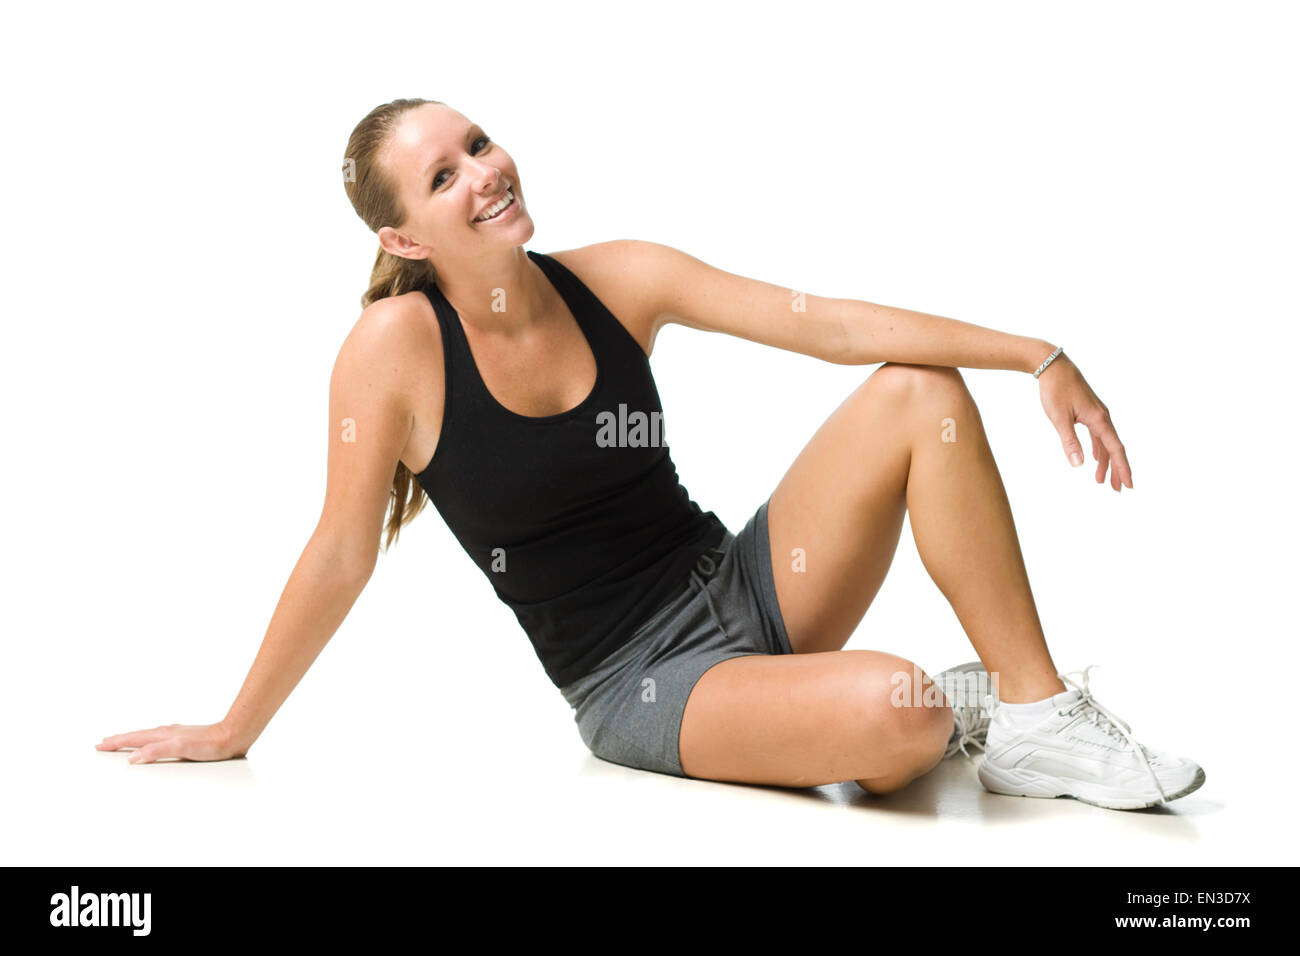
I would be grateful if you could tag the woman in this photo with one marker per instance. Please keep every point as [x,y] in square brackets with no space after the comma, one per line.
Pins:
[514,389]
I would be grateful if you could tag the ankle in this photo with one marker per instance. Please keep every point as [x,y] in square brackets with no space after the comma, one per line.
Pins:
[1029,692]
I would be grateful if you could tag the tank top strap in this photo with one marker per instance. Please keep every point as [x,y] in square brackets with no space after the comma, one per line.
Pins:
[610,340]
[457,359]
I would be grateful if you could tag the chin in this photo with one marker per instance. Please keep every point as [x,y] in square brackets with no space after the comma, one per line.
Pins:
[522,232]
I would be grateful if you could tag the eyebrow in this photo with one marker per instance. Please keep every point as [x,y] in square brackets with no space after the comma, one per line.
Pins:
[442,159]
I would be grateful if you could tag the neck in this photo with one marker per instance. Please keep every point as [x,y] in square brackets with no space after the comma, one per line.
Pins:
[502,293]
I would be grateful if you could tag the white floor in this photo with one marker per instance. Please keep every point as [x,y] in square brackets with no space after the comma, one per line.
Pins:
[297,803]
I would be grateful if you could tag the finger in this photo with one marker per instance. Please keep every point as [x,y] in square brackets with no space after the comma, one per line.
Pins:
[136,738]
[1070,442]
[168,747]
[1105,464]
[1120,473]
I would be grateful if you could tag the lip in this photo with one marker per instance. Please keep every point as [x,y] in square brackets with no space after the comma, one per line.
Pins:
[489,205]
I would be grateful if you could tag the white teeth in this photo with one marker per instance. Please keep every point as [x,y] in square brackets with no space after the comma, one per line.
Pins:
[496,207]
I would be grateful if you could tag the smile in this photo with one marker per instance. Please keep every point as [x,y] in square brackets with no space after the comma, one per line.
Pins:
[497,208]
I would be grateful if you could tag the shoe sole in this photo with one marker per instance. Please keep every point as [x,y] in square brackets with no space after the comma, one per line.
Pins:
[1027,783]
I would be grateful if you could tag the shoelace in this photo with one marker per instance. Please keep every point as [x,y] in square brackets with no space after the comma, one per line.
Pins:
[1106,721]
[966,720]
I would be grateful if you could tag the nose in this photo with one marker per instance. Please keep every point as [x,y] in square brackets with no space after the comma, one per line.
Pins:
[490,180]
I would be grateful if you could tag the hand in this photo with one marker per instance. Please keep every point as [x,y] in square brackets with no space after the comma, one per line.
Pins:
[189,742]
[1067,399]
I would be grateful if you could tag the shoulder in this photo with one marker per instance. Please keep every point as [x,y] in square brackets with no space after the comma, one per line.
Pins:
[391,340]
[627,276]
[394,324]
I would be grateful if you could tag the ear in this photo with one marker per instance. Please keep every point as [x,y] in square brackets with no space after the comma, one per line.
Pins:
[400,245]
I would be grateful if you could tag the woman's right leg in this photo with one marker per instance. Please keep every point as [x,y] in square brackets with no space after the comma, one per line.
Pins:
[803,720]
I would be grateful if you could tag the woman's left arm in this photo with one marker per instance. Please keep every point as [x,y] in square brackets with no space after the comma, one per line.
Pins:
[689,292]
[918,338]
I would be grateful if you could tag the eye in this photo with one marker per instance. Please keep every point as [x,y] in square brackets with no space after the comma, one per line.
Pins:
[438,180]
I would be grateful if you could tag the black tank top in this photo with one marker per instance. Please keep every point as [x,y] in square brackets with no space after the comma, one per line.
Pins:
[577,519]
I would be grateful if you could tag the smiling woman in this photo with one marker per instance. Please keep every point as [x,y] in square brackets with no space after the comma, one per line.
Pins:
[518,383]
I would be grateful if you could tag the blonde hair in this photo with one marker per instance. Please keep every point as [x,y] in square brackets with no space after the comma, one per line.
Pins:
[373,195]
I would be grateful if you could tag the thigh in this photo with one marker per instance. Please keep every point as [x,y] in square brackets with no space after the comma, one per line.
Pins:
[629,707]
[804,720]
[835,518]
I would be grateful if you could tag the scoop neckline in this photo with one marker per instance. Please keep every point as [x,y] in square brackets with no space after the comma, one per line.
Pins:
[582,327]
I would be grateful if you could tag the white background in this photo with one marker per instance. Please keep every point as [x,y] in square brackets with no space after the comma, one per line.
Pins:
[181,264]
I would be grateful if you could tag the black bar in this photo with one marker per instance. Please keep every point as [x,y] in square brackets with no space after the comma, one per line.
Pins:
[328,904]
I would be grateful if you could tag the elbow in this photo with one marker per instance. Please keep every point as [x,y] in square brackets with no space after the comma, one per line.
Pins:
[347,559]
[847,351]
[848,342]
[863,334]
[357,563]
[358,571]
[857,350]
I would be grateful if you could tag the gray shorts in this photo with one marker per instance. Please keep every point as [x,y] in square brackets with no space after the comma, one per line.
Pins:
[629,709]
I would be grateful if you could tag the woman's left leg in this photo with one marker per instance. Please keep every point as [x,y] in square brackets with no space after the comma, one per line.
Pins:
[833,524]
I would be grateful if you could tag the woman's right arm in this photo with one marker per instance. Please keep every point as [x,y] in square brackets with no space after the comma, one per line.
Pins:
[370,419]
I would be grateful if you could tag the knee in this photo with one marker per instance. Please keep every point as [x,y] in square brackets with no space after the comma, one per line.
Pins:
[912,382]
[912,720]
[923,717]
[897,780]
[913,754]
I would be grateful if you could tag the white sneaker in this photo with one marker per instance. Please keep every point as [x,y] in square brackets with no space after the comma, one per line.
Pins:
[966,686]
[1081,750]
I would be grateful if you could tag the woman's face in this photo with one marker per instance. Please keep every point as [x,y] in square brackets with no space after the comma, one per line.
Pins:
[449,173]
